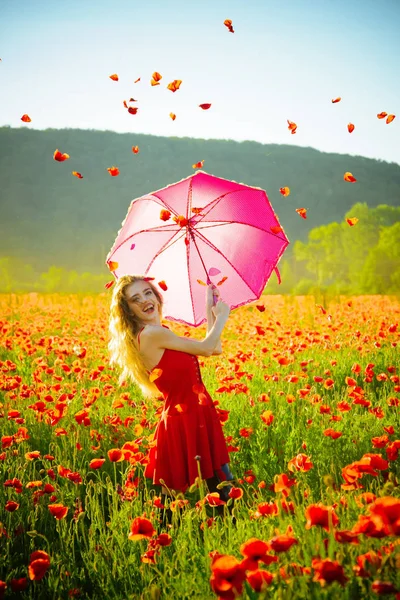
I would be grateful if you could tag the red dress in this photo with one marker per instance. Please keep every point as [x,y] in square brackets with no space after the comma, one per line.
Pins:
[187,427]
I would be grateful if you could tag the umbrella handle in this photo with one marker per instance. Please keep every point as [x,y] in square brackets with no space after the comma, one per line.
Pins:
[215,299]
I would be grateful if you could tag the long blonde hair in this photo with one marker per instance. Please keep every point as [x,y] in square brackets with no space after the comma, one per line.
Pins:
[123,329]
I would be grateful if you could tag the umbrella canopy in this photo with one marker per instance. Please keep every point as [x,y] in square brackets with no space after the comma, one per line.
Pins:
[199,230]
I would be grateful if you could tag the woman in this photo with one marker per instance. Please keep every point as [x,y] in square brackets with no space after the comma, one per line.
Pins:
[189,431]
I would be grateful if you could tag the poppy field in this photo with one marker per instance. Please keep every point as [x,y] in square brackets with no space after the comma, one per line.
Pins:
[309,398]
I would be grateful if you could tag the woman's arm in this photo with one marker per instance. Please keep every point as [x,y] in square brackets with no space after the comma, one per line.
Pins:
[160,337]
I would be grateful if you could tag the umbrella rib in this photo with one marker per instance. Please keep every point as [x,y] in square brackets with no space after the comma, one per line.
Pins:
[211,245]
[158,198]
[240,223]
[161,228]
[163,249]
[215,201]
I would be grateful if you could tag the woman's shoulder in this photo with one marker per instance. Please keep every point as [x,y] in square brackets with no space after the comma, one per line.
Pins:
[150,331]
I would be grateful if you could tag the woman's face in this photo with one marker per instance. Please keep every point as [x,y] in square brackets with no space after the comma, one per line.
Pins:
[142,301]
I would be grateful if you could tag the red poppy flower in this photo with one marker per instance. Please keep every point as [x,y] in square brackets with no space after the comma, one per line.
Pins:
[383,587]
[259,580]
[266,509]
[255,550]
[39,564]
[214,499]
[227,577]
[141,528]
[318,514]
[282,543]
[283,483]
[18,585]
[96,463]
[164,539]
[369,527]
[366,562]
[327,571]
[115,455]
[386,511]
[267,417]
[346,537]
[59,511]
[301,462]
[235,493]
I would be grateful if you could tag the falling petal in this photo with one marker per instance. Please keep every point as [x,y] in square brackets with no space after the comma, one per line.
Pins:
[214,271]
[196,211]
[138,79]
[352,221]
[285,191]
[133,110]
[276,229]
[174,85]
[198,165]
[180,220]
[125,104]
[336,100]
[228,24]
[109,284]
[350,127]
[165,214]
[349,177]
[26,118]
[163,285]
[112,265]
[114,171]
[382,115]
[133,246]
[76,174]
[135,149]
[291,126]
[155,374]
[205,106]
[222,281]
[390,118]
[114,77]
[155,78]
[173,116]
[302,212]
[60,157]
[201,282]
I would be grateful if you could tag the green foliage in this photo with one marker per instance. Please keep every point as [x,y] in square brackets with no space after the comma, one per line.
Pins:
[16,276]
[341,259]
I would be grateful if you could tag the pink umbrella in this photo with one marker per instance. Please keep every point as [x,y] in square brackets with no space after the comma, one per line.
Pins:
[199,230]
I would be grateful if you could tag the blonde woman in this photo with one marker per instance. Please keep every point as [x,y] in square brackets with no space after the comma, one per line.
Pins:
[189,429]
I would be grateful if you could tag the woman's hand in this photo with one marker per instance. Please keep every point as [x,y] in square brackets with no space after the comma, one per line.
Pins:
[221,309]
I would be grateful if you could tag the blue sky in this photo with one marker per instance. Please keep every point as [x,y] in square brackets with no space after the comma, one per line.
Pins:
[286,60]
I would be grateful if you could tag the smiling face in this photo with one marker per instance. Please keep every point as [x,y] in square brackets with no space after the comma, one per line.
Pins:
[143,302]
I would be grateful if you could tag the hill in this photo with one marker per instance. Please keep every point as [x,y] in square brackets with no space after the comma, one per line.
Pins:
[49,217]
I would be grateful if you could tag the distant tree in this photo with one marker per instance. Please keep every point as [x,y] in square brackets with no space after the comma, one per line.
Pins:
[381,270]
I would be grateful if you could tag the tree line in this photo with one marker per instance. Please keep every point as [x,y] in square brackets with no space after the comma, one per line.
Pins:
[336,258]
